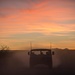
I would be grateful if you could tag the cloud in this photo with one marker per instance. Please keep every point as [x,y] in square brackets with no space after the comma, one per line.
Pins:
[52,19]
[17,41]
[26,4]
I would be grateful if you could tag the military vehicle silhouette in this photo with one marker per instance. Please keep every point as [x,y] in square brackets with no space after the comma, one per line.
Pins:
[41,57]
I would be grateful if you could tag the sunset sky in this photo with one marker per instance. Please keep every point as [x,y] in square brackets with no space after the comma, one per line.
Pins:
[39,22]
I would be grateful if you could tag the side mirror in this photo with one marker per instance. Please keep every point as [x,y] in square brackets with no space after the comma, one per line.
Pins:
[52,52]
[28,53]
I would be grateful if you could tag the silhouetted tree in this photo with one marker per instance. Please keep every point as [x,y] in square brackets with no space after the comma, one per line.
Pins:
[4,51]
[4,47]
[66,49]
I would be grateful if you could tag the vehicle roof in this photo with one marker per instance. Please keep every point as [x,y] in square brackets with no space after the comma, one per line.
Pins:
[40,49]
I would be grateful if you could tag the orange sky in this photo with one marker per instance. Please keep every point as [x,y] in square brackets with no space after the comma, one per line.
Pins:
[39,21]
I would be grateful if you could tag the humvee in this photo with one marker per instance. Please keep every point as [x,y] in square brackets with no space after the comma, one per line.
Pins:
[40,57]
